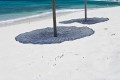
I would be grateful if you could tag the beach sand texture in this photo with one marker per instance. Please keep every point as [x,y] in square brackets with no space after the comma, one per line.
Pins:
[95,57]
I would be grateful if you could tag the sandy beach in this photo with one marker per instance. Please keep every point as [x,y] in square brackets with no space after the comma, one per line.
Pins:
[95,57]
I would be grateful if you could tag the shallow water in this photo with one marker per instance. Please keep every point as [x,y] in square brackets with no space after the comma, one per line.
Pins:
[12,9]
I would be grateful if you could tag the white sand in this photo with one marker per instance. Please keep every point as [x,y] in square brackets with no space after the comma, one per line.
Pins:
[96,57]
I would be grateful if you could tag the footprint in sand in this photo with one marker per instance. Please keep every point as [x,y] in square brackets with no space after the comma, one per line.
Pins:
[105,28]
[59,57]
[113,34]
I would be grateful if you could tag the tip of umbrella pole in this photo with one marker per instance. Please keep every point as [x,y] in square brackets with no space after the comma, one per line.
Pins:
[55,35]
[85,20]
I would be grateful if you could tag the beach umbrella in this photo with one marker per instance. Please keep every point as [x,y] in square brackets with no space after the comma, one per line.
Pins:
[54,17]
[85,8]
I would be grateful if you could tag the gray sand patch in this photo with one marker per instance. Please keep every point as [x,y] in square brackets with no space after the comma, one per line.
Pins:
[45,36]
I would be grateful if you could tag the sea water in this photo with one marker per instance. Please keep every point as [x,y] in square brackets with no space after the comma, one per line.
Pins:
[21,9]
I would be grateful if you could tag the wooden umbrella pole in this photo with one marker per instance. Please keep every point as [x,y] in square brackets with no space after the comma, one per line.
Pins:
[54,17]
[85,4]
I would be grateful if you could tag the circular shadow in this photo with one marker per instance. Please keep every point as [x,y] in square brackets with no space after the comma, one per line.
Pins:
[45,36]
[93,20]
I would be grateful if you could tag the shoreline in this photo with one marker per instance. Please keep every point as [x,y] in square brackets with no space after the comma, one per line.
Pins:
[42,16]
[37,17]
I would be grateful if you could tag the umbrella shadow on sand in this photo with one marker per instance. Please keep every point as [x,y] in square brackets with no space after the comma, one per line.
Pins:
[45,36]
[93,20]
